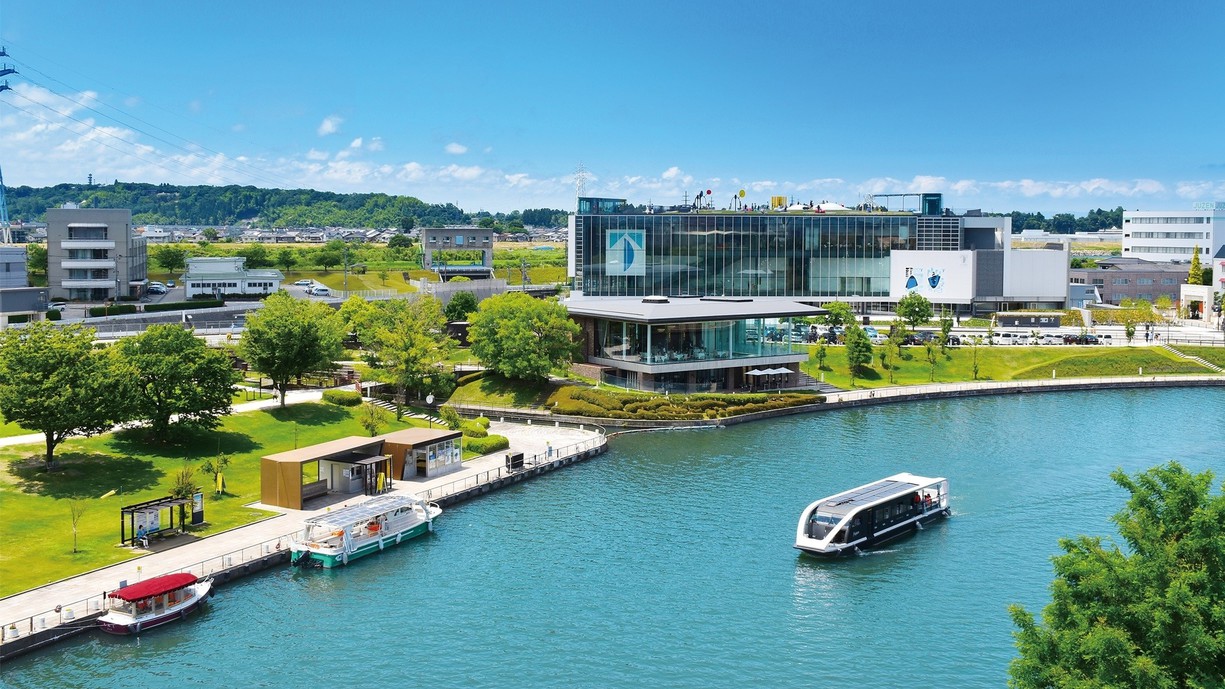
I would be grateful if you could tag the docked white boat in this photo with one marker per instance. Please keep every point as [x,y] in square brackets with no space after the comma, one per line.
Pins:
[153,602]
[333,539]
[871,514]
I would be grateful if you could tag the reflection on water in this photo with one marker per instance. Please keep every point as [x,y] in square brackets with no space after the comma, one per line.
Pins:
[669,562]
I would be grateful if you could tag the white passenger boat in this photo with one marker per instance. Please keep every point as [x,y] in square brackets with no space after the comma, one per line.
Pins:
[333,539]
[153,602]
[871,514]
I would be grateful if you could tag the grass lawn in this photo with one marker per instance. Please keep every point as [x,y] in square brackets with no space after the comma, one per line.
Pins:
[1006,363]
[493,390]
[9,429]
[36,525]
[1215,355]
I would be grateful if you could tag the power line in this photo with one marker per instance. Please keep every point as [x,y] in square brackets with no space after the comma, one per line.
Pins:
[184,166]
[247,170]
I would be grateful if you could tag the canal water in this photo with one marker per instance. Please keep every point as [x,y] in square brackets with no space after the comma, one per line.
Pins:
[668,562]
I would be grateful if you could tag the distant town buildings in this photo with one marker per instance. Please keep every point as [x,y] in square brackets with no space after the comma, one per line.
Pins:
[94,255]
[1131,278]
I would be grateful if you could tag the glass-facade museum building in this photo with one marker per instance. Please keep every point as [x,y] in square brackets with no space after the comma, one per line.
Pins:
[736,279]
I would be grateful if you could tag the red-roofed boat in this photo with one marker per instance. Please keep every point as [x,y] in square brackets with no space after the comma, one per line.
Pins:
[153,602]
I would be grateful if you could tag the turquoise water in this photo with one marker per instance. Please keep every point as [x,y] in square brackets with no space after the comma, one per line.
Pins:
[668,563]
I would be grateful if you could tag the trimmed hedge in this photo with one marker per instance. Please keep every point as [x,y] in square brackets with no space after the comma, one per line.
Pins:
[483,421]
[54,314]
[115,310]
[344,398]
[576,401]
[184,305]
[490,443]
[472,429]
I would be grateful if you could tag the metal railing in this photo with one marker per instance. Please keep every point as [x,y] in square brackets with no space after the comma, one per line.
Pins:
[68,613]
[476,480]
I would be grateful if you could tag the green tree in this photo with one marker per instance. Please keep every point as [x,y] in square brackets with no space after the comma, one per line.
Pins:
[1130,331]
[1195,276]
[54,382]
[412,343]
[974,343]
[256,255]
[36,258]
[286,258]
[840,313]
[858,351]
[216,467]
[326,258]
[210,234]
[171,258]
[946,330]
[289,338]
[1150,614]
[933,356]
[400,241]
[176,376]
[522,337]
[383,275]
[361,317]
[461,305]
[407,223]
[820,354]
[486,222]
[450,417]
[893,348]
[1163,302]
[915,309]
[373,418]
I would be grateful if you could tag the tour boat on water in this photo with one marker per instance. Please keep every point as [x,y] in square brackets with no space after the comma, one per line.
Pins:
[333,539]
[153,602]
[871,514]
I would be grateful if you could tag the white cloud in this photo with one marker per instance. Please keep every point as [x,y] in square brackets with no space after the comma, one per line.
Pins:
[460,172]
[671,173]
[411,172]
[329,125]
[356,143]
[314,154]
[456,149]
[376,144]
[1201,191]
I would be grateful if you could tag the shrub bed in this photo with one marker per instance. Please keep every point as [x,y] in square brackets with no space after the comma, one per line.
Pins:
[490,443]
[576,401]
[181,305]
[344,398]
[472,429]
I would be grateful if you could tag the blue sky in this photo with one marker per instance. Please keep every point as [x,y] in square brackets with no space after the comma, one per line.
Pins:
[1038,106]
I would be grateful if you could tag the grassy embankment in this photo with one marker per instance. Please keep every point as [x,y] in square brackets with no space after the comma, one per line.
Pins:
[36,525]
[1006,363]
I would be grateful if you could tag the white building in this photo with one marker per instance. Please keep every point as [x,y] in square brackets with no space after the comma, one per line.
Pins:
[1166,236]
[217,277]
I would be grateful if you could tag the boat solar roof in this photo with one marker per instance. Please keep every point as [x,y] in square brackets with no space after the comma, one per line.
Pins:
[370,509]
[881,490]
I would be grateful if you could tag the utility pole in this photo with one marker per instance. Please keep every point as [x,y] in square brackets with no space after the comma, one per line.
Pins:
[346,262]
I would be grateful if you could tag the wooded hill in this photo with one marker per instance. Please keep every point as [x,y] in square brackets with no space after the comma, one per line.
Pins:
[168,204]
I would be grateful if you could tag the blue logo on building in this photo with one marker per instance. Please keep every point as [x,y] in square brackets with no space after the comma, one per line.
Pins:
[626,251]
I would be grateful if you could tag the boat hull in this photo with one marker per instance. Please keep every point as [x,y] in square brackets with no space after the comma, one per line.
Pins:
[124,625]
[877,540]
[330,560]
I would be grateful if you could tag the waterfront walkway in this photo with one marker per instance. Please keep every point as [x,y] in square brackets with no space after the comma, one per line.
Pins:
[84,592]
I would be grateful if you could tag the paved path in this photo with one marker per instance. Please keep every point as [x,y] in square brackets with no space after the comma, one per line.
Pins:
[249,541]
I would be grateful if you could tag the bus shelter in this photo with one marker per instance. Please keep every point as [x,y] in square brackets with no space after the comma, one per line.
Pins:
[149,515]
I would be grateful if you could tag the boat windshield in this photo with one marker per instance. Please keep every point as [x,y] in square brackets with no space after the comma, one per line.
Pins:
[829,519]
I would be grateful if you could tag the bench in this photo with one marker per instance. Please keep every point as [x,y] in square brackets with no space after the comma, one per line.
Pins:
[314,490]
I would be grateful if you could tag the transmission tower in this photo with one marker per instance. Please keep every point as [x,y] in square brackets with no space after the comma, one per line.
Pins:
[6,232]
[580,180]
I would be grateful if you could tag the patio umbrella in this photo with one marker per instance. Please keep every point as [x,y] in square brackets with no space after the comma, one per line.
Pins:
[755,372]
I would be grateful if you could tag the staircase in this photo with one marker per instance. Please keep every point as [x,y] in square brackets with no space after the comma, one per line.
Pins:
[1206,364]
[408,413]
[808,382]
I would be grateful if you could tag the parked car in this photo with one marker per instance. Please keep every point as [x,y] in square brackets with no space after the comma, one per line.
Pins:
[170,283]
[58,306]
[829,337]
[155,283]
[321,291]
[878,339]
[304,283]
[954,340]
[871,331]
[156,289]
